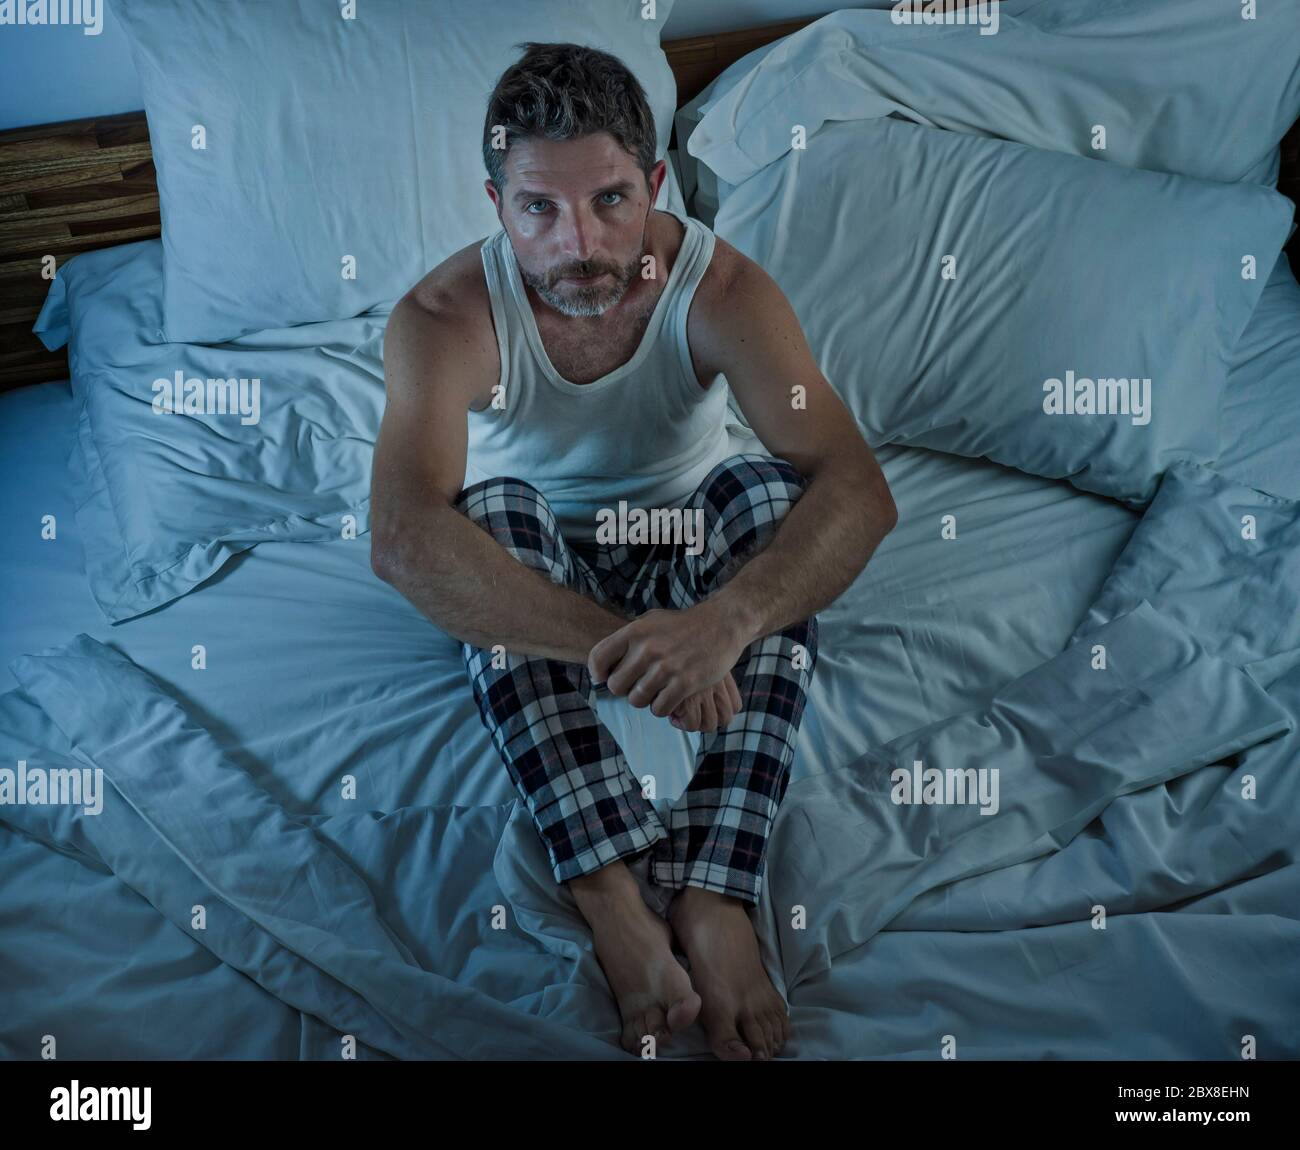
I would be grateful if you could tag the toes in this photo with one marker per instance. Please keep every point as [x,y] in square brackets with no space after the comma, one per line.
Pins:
[780,1030]
[727,1043]
[630,1038]
[627,1039]
[659,1024]
[755,1034]
[734,1050]
[634,1034]
[684,1011]
[656,1023]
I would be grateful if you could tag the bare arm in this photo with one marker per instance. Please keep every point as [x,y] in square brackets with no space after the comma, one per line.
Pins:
[826,539]
[444,563]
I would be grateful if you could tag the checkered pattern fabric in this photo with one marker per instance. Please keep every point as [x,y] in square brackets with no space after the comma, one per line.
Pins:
[585,800]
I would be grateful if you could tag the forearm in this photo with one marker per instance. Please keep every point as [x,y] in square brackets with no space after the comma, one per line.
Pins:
[819,548]
[473,589]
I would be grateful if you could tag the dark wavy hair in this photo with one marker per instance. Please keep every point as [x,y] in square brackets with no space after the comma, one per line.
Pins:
[562,91]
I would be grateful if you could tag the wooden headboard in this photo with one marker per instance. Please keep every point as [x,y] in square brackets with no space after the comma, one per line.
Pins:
[86,184]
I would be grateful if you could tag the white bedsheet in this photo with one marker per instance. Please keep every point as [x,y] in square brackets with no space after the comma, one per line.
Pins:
[311,661]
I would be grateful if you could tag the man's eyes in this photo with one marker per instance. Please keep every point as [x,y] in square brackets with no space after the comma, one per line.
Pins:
[530,204]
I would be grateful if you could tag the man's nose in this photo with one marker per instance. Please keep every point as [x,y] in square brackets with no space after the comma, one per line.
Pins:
[584,240]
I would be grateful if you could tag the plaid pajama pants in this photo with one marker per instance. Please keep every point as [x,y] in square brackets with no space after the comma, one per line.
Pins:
[585,801]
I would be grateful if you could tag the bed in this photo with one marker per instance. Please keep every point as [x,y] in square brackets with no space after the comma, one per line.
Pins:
[304,834]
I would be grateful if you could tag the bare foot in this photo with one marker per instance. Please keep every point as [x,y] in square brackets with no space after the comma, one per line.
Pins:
[743,1014]
[634,946]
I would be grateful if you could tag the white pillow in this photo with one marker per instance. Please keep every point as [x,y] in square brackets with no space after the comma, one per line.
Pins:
[326,137]
[1182,86]
[1071,319]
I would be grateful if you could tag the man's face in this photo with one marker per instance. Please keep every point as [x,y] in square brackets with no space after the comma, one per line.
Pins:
[576,208]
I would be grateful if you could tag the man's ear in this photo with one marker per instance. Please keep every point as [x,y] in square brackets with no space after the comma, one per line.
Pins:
[658,174]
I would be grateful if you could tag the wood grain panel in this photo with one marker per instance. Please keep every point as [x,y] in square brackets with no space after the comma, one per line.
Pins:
[87,184]
[65,188]
[698,60]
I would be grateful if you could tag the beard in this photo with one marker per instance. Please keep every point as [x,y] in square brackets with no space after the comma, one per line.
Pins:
[586,300]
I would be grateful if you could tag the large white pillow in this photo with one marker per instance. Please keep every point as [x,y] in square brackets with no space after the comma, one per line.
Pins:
[326,137]
[1183,86]
[1070,319]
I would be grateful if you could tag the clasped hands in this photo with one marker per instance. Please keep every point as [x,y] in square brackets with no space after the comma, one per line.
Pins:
[677,663]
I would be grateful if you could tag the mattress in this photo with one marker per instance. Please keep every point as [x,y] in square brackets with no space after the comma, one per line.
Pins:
[317,672]
[335,729]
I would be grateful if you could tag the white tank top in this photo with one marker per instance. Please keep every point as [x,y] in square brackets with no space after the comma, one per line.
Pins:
[646,432]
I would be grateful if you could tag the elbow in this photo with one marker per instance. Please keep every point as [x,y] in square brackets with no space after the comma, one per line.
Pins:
[382,563]
[880,506]
[867,481]
[888,510]
[402,549]
[385,558]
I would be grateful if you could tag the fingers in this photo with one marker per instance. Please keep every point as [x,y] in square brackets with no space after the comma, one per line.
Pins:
[670,698]
[648,688]
[737,703]
[647,682]
[629,669]
[687,716]
[653,664]
[708,711]
[722,704]
[693,712]
[605,655]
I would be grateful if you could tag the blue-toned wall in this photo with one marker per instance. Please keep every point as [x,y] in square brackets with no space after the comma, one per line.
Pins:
[57,72]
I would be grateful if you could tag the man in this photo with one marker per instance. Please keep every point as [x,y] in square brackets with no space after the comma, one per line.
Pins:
[577,352]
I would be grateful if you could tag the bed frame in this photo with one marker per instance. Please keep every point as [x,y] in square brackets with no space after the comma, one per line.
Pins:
[84,184]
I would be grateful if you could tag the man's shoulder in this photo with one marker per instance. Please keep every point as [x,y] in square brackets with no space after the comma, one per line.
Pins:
[731,291]
[730,271]
[456,289]
[446,319]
